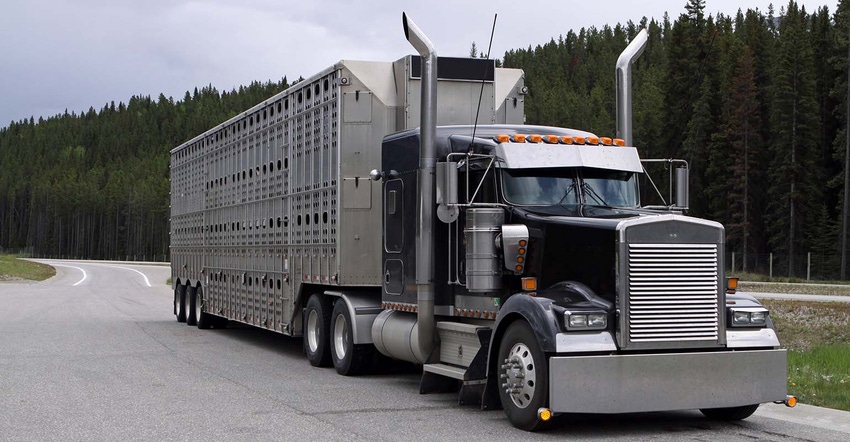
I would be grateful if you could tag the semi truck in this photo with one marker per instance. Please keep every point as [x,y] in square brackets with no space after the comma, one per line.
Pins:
[404,210]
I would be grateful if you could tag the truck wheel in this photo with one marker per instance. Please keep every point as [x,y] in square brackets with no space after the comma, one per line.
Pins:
[349,359]
[317,318]
[202,318]
[189,306]
[180,302]
[731,413]
[524,377]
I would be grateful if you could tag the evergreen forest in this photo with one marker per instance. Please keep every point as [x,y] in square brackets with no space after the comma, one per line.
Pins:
[757,103]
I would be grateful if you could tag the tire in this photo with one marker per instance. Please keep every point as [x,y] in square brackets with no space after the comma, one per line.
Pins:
[348,359]
[203,319]
[180,302]
[189,305]
[317,319]
[731,413]
[524,377]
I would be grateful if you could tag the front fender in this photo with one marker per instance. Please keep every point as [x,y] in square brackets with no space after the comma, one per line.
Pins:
[539,314]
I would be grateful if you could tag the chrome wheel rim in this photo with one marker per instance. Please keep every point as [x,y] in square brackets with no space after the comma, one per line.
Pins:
[519,374]
[198,301]
[313,330]
[340,337]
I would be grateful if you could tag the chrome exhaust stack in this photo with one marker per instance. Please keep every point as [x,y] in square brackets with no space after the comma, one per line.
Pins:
[396,334]
[624,85]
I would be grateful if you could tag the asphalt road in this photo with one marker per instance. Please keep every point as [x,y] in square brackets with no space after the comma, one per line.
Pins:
[95,354]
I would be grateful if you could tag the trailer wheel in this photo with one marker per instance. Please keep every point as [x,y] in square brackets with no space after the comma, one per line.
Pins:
[348,359]
[202,318]
[189,306]
[180,302]
[731,413]
[524,376]
[317,318]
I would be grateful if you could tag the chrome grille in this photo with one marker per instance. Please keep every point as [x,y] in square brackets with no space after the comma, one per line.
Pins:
[673,292]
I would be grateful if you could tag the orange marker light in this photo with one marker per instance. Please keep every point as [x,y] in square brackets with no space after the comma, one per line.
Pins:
[502,138]
[529,284]
[519,138]
[566,139]
[606,141]
[553,139]
[593,140]
[619,142]
[535,138]
[578,140]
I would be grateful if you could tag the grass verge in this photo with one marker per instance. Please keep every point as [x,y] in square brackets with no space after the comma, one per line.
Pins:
[817,336]
[13,269]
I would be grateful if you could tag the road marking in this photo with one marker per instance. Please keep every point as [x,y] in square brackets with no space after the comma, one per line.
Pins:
[85,275]
[143,275]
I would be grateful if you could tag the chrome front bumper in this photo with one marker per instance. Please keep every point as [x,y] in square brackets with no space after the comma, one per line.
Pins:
[669,381]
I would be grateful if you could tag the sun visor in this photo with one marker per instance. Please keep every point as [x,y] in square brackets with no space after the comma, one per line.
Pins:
[538,155]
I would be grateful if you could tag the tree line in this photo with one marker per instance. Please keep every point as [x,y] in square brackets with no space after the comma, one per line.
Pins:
[755,102]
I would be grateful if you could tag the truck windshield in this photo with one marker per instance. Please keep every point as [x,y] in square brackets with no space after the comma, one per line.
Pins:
[540,187]
[610,188]
[548,187]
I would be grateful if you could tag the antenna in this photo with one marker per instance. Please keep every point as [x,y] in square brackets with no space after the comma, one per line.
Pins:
[483,79]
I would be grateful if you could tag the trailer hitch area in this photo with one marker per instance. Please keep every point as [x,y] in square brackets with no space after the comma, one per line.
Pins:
[790,401]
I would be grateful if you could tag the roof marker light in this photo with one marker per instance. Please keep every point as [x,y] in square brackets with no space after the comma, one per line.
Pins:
[593,140]
[566,139]
[518,138]
[502,138]
[619,142]
[606,141]
[552,139]
[535,138]
[578,140]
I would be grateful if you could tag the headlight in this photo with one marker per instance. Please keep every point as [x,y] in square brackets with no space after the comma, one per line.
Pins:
[585,321]
[748,317]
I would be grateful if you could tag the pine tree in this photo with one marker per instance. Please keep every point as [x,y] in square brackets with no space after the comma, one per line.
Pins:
[794,199]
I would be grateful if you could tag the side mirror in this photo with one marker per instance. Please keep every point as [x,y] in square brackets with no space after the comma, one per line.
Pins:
[682,187]
[447,210]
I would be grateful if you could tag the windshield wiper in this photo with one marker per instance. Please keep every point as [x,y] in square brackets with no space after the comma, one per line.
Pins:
[591,192]
[570,189]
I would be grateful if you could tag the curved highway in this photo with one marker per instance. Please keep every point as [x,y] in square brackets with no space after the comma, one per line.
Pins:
[95,353]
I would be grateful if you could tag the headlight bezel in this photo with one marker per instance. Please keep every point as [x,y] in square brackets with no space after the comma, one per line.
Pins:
[585,320]
[748,317]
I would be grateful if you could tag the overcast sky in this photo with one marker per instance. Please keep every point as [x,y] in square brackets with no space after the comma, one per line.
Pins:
[76,54]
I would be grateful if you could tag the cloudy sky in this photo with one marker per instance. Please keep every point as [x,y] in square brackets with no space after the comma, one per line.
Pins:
[76,54]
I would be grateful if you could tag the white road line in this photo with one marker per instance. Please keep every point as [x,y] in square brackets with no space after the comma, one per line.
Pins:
[85,275]
[143,275]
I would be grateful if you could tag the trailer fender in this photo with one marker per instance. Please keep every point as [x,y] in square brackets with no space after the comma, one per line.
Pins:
[363,308]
